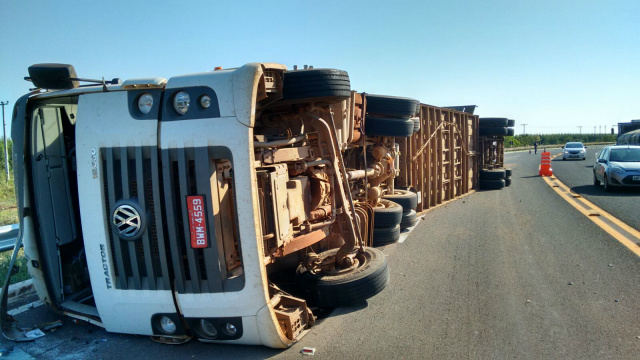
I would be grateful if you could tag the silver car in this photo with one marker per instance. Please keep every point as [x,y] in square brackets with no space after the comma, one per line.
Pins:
[574,150]
[617,165]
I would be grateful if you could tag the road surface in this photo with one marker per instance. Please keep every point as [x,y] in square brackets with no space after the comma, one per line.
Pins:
[514,273]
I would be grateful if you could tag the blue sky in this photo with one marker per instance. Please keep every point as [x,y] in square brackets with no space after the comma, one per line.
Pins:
[554,65]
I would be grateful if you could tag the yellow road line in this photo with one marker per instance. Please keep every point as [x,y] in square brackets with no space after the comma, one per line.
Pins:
[600,217]
[613,219]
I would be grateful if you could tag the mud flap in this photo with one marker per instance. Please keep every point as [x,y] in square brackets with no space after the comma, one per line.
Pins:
[7,322]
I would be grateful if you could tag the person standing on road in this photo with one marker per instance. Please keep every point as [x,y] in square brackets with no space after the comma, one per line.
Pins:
[535,147]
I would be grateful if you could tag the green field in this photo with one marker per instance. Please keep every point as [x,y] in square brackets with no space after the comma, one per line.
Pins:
[8,216]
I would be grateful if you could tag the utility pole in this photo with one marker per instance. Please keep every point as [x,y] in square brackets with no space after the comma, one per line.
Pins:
[4,132]
[524,129]
[594,129]
[580,127]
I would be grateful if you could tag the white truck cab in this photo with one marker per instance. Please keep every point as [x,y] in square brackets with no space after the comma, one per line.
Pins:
[172,208]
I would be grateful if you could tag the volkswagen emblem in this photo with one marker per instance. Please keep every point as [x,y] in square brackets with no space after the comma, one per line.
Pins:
[127,221]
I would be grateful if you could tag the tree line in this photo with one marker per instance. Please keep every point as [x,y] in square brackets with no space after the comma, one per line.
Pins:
[555,139]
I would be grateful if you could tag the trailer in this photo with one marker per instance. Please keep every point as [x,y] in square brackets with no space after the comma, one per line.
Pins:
[440,161]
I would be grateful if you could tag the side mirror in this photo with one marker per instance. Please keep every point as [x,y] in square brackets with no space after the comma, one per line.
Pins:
[563,147]
[602,161]
[586,147]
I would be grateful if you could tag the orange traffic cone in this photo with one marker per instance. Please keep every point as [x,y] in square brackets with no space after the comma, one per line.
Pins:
[545,164]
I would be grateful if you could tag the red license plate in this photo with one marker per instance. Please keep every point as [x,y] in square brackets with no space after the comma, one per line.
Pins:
[197,222]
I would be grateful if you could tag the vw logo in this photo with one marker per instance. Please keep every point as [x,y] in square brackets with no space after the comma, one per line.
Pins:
[127,221]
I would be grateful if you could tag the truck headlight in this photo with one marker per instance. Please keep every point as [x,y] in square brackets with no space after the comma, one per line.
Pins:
[208,328]
[230,329]
[205,101]
[167,325]
[145,103]
[181,102]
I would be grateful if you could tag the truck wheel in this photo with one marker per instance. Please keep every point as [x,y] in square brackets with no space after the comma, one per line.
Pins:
[495,174]
[507,181]
[493,122]
[316,84]
[511,123]
[492,184]
[333,289]
[493,131]
[405,198]
[511,132]
[387,235]
[507,172]
[416,124]
[409,218]
[393,106]
[386,214]
[375,126]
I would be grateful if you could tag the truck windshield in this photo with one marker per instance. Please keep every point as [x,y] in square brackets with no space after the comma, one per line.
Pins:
[625,155]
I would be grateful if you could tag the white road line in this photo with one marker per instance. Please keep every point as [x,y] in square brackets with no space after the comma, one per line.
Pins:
[23,308]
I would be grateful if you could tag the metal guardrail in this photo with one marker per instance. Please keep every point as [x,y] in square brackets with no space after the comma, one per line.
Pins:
[8,236]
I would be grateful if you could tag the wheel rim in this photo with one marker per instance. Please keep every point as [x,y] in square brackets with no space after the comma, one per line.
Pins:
[328,264]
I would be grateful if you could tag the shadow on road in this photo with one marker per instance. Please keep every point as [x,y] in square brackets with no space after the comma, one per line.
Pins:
[598,190]
[342,310]
[560,159]
[528,177]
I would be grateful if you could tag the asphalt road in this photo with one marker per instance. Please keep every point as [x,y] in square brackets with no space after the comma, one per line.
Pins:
[578,175]
[514,273]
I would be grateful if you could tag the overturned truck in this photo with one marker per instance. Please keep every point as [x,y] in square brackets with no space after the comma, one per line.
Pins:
[223,206]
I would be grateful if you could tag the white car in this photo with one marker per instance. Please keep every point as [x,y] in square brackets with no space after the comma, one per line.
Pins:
[574,150]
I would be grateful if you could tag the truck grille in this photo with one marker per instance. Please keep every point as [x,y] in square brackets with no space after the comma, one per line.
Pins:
[163,255]
[191,172]
[131,174]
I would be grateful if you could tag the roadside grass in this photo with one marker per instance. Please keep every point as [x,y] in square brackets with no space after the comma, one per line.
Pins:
[8,208]
[21,262]
[8,216]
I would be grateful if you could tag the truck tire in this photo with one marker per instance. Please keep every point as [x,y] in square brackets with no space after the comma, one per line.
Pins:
[416,124]
[511,123]
[375,126]
[507,172]
[511,132]
[393,106]
[388,214]
[493,131]
[492,184]
[405,198]
[496,174]
[493,122]
[409,218]
[348,288]
[316,84]
[507,181]
[387,235]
